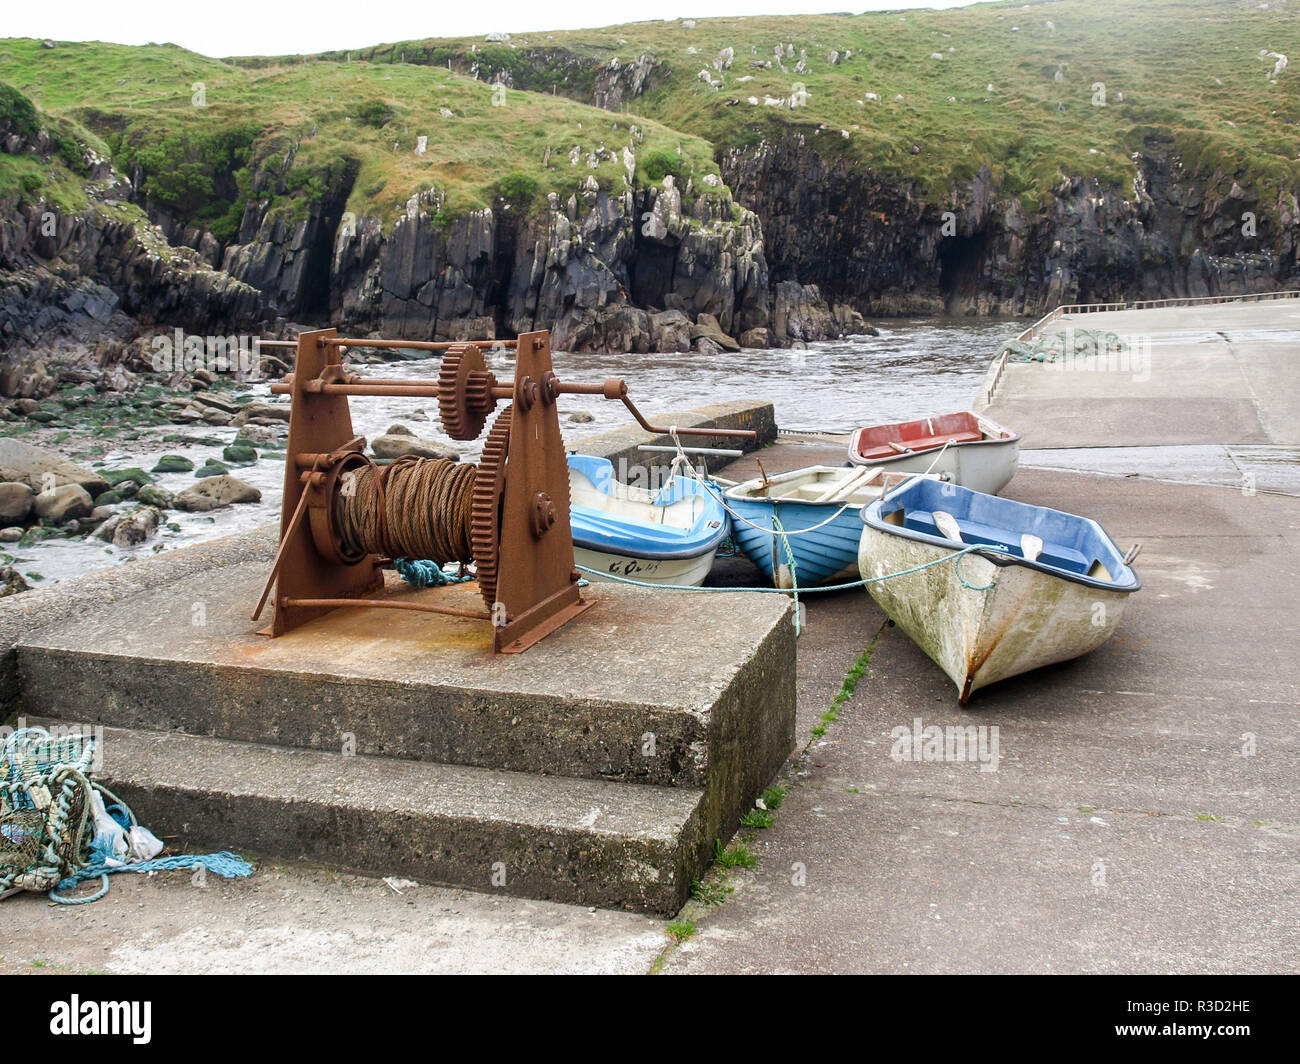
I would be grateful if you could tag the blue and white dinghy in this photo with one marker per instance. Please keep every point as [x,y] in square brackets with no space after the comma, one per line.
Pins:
[1054,588]
[668,536]
[818,507]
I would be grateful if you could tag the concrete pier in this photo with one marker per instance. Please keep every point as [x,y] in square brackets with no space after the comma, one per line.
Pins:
[1217,373]
[1143,816]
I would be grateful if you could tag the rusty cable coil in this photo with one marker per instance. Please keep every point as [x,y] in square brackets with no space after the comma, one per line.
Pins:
[426,512]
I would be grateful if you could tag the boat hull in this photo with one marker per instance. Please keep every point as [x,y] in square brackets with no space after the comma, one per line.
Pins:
[985,465]
[826,550]
[668,536]
[675,572]
[821,557]
[1025,620]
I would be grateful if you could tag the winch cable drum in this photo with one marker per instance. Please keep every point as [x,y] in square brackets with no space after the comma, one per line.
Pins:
[415,508]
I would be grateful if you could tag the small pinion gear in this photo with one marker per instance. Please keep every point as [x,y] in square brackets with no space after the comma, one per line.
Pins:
[465,392]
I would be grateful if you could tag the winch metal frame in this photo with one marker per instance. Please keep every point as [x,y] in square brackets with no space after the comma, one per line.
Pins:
[522,541]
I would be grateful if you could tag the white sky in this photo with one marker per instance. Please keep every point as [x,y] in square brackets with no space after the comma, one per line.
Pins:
[248,27]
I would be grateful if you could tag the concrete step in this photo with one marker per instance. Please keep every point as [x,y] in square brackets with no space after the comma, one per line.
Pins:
[654,687]
[589,842]
[596,768]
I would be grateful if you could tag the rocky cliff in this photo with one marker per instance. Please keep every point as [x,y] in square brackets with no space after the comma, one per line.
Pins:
[884,247]
[79,282]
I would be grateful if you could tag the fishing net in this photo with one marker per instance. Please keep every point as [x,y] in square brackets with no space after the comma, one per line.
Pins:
[43,807]
[1076,344]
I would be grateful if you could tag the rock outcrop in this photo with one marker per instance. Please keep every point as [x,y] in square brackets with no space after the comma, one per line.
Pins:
[214,492]
[879,245]
[592,268]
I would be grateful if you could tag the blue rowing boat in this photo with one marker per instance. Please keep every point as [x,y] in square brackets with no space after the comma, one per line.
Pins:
[668,536]
[822,504]
[1048,586]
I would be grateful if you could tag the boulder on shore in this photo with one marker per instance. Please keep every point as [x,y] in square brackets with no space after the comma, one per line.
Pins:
[22,462]
[851,323]
[800,313]
[212,493]
[396,444]
[263,411]
[68,502]
[137,526]
[11,582]
[173,463]
[15,503]
[670,330]
[706,327]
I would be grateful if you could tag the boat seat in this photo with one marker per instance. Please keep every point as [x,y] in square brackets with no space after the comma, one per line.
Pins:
[919,443]
[975,533]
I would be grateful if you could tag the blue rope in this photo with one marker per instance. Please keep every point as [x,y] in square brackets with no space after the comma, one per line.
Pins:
[789,555]
[420,572]
[224,864]
[955,558]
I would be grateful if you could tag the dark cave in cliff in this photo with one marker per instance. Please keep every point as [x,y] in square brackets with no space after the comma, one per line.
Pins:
[650,272]
[961,259]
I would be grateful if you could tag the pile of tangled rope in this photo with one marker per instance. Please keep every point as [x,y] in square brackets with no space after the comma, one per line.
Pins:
[1082,343]
[59,828]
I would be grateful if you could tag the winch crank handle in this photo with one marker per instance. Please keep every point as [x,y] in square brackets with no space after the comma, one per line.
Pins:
[1133,552]
[740,434]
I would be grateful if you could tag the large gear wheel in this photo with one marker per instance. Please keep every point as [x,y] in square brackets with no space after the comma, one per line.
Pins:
[489,489]
[465,392]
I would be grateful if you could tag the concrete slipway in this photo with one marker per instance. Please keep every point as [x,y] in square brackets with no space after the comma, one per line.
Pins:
[1143,816]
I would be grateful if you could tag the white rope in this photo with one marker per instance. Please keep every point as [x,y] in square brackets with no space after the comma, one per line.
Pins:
[937,457]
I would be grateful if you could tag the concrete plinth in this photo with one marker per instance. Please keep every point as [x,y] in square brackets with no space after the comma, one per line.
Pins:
[598,767]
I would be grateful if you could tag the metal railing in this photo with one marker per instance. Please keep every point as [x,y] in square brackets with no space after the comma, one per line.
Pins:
[1194,301]
[1068,308]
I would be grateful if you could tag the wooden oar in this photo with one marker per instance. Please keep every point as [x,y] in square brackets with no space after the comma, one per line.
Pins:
[841,489]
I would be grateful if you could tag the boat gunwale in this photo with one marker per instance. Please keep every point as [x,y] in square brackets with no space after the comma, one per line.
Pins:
[998,558]
[732,493]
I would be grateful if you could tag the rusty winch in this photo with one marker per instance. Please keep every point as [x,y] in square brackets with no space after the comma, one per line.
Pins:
[344,518]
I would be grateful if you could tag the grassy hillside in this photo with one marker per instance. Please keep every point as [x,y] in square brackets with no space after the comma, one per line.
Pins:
[1187,67]
[311,122]
[926,97]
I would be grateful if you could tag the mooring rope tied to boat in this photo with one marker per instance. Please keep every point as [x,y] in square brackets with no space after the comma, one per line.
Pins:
[709,486]
[681,461]
[955,557]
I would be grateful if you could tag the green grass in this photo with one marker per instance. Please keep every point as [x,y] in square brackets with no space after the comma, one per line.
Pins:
[737,855]
[758,818]
[773,796]
[711,893]
[311,127]
[850,684]
[680,930]
[1188,70]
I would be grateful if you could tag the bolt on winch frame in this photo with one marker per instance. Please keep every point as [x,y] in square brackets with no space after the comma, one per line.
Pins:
[521,538]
